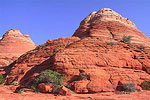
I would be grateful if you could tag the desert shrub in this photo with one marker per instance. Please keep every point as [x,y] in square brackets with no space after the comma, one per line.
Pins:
[126,39]
[129,87]
[2,79]
[123,92]
[49,76]
[132,46]
[61,45]
[21,90]
[34,87]
[141,47]
[14,83]
[42,45]
[54,52]
[27,56]
[146,52]
[110,43]
[145,85]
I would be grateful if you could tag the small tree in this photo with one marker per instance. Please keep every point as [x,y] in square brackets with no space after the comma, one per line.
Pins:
[49,76]
[127,39]
[1,79]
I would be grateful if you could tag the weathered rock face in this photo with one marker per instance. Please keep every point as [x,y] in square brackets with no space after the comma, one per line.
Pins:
[108,24]
[12,45]
[106,65]
[33,62]
[89,63]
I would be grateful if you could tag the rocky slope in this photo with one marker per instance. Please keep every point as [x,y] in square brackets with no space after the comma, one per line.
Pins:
[89,54]
[12,45]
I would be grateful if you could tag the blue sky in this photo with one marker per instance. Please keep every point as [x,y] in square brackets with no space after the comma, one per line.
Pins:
[51,19]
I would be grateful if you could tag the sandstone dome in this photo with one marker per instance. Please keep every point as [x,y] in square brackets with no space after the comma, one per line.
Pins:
[108,24]
[13,44]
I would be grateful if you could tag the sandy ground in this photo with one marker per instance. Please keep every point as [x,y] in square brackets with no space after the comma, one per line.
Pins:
[6,94]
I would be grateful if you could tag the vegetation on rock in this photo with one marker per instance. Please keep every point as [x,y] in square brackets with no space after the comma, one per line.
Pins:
[145,85]
[142,48]
[129,87]
[21,90]
[110,43]
[49,76]
[42,45]
[127,39]
[1,79]
[14,83]
[61,45]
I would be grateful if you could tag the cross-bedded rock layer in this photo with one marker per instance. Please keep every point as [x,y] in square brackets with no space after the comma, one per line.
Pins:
[89,63]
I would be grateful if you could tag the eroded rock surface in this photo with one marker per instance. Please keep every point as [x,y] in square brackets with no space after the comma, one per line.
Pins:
[12,45]
[87,61]
[108,24]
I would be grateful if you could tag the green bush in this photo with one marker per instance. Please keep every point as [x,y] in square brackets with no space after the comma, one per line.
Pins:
[49,76]
[141,47]
[42,45]
[145,85]
[1,79]
[126,39]
[61,45]
[34,87]
[132,46]
[110,43]
[21,90]
[129,87]
[14,83]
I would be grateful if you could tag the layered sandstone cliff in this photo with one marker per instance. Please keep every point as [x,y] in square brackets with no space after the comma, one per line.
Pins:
[12,45]
[87,53]
[108,24]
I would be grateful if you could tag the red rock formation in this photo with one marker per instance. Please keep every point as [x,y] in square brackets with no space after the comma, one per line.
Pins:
[106,65]
[33,62]
[45,88]
[12,45]
[89,63]
[108,24]
[64,91]
[6,94]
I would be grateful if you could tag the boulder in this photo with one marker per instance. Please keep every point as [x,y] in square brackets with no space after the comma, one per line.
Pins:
[80,86]
[45,88]
[64,91]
